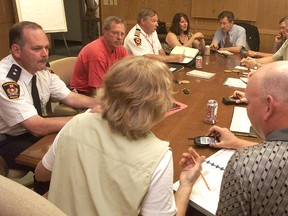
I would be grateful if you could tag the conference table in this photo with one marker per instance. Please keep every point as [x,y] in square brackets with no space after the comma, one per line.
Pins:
[188,122]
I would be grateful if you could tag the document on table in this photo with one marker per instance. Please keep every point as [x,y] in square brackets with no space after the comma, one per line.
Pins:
[241,124]
[201,74]
[225,52]
[201,198]
[234,82]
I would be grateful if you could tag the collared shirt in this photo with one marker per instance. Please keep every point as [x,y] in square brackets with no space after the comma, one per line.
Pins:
[148,44]
[255,181]
[15,111]
[282,53]
[237,36]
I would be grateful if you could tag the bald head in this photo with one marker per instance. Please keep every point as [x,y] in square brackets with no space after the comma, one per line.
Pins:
[267,98]
[272,80]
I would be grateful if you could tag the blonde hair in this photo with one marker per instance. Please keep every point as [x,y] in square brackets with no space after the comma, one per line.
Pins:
[137,93]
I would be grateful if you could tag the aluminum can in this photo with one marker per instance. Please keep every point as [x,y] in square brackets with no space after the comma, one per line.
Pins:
[199,61]
[207,50]
[211,112]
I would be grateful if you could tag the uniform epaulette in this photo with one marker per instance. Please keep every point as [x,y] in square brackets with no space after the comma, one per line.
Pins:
[14,72]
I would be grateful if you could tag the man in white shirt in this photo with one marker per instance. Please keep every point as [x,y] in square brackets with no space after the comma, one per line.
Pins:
[142,39]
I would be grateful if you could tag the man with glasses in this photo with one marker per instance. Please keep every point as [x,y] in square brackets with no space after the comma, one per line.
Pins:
[95,58]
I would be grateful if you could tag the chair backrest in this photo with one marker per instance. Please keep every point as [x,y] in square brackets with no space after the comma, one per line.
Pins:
[64,68]
[252,35]
[16,199]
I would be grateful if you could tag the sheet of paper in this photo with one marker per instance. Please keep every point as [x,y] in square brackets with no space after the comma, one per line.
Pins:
[201,198]
[240,121]
[234,82]
[201,74]
[241,68]
[224,52]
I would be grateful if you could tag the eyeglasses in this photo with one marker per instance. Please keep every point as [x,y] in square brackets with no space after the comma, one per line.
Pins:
[115,34]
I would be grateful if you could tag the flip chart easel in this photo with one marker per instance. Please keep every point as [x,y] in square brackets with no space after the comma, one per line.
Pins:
[50,14]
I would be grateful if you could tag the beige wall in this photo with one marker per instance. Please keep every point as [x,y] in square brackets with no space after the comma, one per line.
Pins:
[263,13]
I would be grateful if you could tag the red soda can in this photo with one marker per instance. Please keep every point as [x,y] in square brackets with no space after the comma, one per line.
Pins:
[211,114]
[198,63]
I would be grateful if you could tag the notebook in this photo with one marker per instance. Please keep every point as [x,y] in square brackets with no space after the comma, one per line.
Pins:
[186,51]
[204,200]
[200,74]
[241,124]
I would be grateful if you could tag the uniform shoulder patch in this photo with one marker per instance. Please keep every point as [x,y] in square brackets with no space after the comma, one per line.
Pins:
[137,40]
[12,89]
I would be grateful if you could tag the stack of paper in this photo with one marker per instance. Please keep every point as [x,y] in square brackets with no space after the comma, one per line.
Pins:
[201,74]
[204,200]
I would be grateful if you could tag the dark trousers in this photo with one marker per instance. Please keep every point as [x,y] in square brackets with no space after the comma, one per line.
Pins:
[12,146]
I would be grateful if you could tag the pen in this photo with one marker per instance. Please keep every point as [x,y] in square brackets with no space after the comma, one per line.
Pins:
[201,174]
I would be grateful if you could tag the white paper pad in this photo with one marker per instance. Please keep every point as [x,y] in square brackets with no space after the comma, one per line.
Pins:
[201,198]
[240,121]
[234,82]
[201,74]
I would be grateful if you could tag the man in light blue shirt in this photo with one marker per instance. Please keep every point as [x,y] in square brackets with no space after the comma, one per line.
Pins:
[229,36]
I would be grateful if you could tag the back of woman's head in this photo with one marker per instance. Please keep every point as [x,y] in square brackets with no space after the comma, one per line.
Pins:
[137,94]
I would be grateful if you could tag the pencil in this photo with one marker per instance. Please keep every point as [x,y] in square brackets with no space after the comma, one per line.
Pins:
[201,174]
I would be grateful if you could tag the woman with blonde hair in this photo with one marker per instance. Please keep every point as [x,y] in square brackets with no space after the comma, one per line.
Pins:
[110,163]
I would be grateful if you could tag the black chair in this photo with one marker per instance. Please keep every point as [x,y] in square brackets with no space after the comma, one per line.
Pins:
[252,35]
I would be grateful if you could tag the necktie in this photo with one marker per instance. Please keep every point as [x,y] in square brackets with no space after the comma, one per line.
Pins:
[227,40]
[35,96]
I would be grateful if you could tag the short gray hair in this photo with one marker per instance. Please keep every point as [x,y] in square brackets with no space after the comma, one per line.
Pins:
[116,19]
[145,14]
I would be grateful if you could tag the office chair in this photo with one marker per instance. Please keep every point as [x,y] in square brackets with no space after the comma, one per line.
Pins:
[64,68]
[252,36]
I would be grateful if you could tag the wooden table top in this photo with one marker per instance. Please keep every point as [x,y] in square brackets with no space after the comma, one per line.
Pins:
[188,122]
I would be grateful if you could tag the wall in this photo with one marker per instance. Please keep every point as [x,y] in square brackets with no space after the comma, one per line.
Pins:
[266,15]
[263,13]
[6,21]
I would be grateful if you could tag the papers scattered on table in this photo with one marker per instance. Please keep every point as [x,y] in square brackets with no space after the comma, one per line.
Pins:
[201,74]
[186,51]
[241,124]
[225,52]
[234,82]
[201,198]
